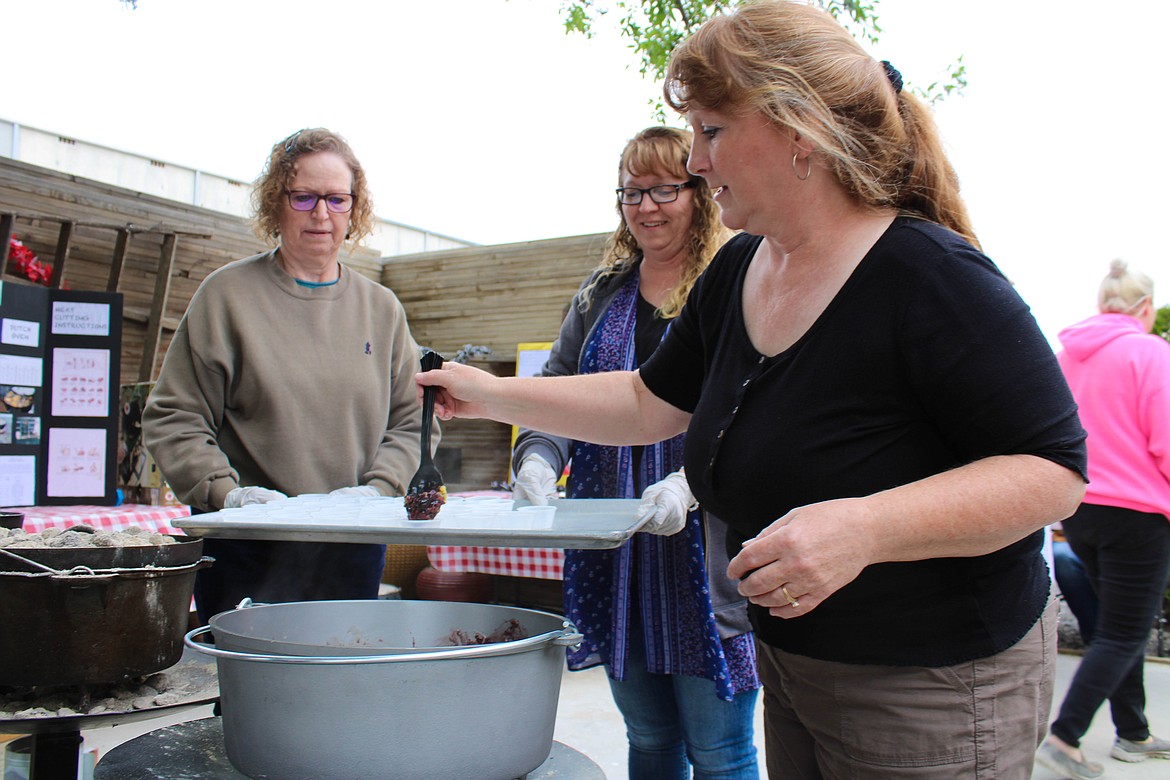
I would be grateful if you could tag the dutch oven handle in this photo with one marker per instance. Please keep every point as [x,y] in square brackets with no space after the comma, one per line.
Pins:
[150,572]
[83,575]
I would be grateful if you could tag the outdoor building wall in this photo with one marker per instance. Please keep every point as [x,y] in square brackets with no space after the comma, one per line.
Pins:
[496,297]
[41,197]
[180,183]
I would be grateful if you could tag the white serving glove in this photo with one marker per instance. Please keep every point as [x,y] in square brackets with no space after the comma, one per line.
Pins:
[243,496]
[535,481]
[666,503]
[361,490]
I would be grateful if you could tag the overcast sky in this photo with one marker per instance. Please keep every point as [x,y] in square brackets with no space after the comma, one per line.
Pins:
[482,120]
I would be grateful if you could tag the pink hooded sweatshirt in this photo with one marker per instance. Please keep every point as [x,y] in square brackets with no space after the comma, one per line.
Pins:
[1120,378]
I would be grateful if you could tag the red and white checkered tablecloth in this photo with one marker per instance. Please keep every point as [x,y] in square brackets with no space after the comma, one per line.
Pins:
[103,518]
[543,563]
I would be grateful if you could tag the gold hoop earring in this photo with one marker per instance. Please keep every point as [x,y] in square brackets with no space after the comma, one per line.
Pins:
[807,170]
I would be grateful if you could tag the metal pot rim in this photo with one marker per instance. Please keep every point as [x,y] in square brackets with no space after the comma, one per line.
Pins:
[566,636]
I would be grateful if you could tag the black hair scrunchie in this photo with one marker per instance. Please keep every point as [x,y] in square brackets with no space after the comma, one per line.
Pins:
[893,75]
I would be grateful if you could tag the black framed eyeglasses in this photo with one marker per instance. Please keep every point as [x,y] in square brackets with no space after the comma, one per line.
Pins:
[337,202]
[663,193]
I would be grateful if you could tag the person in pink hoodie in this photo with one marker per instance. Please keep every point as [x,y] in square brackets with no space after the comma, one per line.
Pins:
[1119,374]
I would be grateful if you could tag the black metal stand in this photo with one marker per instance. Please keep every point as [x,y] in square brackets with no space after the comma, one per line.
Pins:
[194,751]
[56,741]
[55,755]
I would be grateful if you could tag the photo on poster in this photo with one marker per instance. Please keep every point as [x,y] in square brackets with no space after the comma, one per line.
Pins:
[77,462]
[21,370]
[136,468]
[27,431]
[5,428]
[18,480]
[19,400]
[81,382]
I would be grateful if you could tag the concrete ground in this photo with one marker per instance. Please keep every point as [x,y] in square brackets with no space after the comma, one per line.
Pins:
[588,721]
[1099,739]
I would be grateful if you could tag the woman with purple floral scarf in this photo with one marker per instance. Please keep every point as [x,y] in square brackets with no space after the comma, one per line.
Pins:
[659,612]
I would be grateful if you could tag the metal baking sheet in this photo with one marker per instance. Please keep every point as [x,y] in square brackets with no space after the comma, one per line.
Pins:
[579,523]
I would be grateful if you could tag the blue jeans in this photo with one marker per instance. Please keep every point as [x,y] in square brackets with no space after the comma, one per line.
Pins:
[1127,556]
[674,721]
[1076,588]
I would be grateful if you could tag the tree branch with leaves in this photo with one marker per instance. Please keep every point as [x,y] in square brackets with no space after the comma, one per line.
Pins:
[1162,324]
[656,27]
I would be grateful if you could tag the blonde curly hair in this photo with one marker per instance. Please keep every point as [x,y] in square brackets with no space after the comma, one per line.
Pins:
[661,149]
[280,169]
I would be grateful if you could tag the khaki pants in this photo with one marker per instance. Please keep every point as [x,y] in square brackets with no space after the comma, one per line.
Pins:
[981,720]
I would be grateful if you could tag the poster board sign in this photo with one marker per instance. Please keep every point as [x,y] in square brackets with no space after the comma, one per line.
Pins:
[530,359]
[83,355]
[60,352]
[23,328]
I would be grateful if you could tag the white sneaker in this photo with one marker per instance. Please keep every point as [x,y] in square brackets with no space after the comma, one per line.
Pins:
[1132,752]
[1053,758]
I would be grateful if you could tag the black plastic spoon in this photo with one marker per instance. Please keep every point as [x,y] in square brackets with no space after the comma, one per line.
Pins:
[426,494]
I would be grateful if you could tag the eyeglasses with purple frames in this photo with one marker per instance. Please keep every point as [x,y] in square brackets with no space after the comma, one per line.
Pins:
[337,202]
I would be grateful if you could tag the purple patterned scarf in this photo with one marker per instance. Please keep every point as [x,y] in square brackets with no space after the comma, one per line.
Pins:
[660,579]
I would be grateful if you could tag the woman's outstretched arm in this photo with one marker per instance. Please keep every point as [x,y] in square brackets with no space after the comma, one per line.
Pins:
[614,407]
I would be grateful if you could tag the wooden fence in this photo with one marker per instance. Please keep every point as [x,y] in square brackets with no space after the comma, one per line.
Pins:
[494,296]
[45,204]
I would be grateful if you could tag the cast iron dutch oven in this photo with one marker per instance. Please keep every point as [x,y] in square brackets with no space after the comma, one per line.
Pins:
[98,615]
